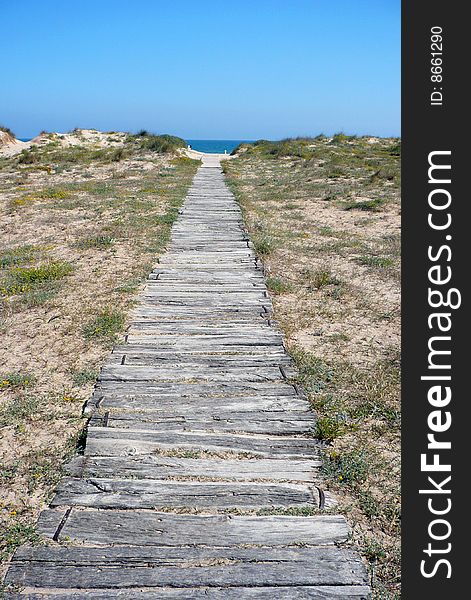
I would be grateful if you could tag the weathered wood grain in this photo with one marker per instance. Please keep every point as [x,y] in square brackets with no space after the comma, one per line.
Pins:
[152,528]
[281,592]
[163,467]
[148,493]
[163,566]
[104,441]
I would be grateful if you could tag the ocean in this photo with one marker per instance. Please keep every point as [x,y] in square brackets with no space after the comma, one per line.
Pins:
[215,146]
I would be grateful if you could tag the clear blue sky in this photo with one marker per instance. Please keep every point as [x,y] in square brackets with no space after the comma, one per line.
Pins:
[207,69]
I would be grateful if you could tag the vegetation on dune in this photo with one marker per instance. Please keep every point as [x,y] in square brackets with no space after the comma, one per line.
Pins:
[7,130]
[324,216]
[163,143]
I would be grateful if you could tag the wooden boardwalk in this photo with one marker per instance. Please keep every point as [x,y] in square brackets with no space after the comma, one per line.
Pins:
[196,443]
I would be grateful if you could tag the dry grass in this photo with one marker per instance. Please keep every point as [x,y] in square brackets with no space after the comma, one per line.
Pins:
[81,227]
[324,216]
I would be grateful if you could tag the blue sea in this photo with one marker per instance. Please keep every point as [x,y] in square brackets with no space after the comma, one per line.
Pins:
[215,146]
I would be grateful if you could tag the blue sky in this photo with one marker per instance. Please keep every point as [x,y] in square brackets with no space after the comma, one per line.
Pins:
[244,69]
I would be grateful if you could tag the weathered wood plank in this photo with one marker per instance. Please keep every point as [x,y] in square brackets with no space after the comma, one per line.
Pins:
[163,467]
[336,592]
[275,423]
[103,441]
[147,493]
[129,373]
[157,567]
[199,389]
[176,405]
[151,528]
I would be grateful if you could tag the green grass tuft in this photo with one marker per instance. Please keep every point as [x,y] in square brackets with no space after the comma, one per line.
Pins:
[348,467]
[101,242]
[264,245]
[366,205]
[277,285]
[105,326]
[23,279]
[379,262]
[16,380]
[17,256]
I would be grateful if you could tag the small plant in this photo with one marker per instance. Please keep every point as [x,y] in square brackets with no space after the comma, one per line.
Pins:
[16,380]
[20,408]
[313,373]
[322,278]
[52,193]
[22,279]
[39,294]
[96,241]
[105,326]
[348,467]
[379,262]
[85,376]
[366,205]
[264,245]
[328,428]
[277,285]
[17,256]
[15,535]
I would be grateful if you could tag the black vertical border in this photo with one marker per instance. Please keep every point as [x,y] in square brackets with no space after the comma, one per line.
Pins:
[427,128]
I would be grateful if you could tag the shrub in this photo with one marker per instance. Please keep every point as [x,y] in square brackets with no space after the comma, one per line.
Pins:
[163,144]
[28,157]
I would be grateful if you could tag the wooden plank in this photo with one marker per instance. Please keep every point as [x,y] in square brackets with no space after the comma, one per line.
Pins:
[207,341]
[335,592]
[129,373]
[103,441]
[139,355]
[187,390]
[123,568]
[163,467]
[175,405]
[148,493]
[275,423]
[152,528]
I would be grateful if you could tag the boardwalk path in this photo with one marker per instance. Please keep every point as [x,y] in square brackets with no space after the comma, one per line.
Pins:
[194,431]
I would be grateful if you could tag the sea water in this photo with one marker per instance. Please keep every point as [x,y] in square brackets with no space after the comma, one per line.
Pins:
[215,146]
